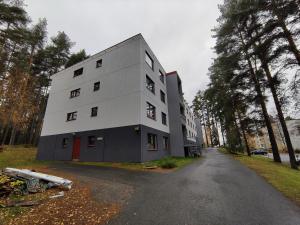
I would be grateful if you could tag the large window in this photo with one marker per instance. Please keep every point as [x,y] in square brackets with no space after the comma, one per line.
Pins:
[149,60]
[152,141]
[150,84]
[151,111]
[163,118]
[94,111]
[78,72]
[161,76]
[166,143]
[99,63]
[162,96]
[65,142]
[91,141]
[75,93]
[71,116]
[97,86]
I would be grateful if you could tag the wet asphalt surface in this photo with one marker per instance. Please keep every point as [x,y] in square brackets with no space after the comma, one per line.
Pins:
[215,190]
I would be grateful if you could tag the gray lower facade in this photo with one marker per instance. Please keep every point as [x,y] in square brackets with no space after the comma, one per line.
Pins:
[121,144]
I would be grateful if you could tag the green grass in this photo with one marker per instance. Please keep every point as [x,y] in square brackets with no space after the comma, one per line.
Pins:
[179,162]
[19,156]
[281,176]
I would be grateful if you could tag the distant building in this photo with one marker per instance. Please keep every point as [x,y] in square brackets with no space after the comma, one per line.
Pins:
[117,105]
[262,140]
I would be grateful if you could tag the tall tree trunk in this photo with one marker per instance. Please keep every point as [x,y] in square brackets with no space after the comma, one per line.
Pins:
[276,155]
[205,133]
[5,135]
[12,136]
[280,114]
[216,125]
[244,134]
[287,33]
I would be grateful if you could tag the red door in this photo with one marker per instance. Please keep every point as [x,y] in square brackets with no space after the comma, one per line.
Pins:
[76,148]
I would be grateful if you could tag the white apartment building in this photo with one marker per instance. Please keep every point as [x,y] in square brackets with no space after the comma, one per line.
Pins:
[112,106]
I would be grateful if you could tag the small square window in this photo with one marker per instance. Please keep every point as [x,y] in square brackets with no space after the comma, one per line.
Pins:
[78,72]
[152,141]
[91,141]
[162,96]
[75,93]
[163,118]
[166,143]
[65,142]
[99,63]
[149,60]
[151,111]
[71,116]
[94,111]
[97,86]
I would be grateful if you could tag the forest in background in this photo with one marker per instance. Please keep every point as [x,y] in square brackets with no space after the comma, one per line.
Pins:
[27,60]
[258,59]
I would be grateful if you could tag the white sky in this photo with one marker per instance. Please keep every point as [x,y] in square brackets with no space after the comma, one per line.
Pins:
[178,31]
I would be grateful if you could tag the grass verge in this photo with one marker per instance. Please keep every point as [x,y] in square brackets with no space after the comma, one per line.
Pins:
[165,163]
[281,176]
[19,156]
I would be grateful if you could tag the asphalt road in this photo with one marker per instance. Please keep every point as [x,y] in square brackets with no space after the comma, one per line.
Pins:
[216,190]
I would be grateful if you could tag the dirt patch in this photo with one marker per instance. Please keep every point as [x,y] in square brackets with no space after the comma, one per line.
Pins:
[76,207]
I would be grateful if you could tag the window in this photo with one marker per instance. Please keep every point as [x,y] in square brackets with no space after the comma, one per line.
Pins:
[162,77]
[149,60]
[151,111]
[75,93]
[91,141]
[150,84]
[94,111]
[163,118]
[71,116]
[162,96]
[78,72]
[165,143]
[152,142]
[99,63]
[97,86]
[65,142]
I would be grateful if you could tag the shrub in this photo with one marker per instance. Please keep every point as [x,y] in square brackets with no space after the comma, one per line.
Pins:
[168,164]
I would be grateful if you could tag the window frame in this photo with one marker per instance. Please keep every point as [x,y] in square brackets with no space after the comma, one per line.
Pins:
[166,145]
[162,96]
[72,117]
[99,63]
[78,72]
[93,108]
[148,85]
[162,77]
[76,93]
[93,144]
[98,82]
[152,146]
[164,118]
[147,55]
[65,142]
[149,108]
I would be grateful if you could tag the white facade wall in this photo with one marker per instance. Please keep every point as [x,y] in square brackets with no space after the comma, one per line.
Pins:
[148,96]
[122,97]
[190,123]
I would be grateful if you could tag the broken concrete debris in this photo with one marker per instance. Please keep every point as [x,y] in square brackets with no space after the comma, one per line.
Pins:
[23,181]
[58,181]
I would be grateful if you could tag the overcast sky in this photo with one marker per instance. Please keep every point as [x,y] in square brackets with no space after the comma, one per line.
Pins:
[178,32]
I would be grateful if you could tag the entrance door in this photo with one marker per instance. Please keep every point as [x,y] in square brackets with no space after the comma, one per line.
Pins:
[76,148]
